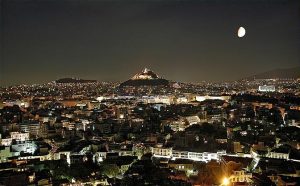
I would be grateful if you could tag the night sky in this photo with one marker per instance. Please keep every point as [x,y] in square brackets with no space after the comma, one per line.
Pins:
[187,41]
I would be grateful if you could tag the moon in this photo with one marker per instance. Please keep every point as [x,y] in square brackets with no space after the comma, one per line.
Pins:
[241,32]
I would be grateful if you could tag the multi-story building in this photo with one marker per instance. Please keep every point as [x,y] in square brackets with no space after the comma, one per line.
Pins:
[241,176]
[31,128]
[23,147]
[6,142]
[160,151]
[19,136]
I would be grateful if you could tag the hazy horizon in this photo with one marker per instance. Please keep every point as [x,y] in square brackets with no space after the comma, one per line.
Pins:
[130,76]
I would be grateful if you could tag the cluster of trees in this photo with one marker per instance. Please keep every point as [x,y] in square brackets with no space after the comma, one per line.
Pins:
[144,172]
[61,170]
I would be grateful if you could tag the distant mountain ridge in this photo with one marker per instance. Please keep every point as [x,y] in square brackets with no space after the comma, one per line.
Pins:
[282,73]
[74,80]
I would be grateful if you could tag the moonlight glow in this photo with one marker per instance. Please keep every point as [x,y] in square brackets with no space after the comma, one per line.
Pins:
[241,32]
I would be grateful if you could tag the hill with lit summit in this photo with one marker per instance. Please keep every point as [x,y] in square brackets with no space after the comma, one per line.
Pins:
[145,78]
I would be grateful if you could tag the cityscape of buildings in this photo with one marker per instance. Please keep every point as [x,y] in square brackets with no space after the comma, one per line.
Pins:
[151,131]
[149,92]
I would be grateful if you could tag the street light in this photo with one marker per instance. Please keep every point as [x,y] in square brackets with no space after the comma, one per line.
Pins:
[225,181]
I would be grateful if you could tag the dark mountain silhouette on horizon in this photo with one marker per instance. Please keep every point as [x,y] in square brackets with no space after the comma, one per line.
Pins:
[74,80]
[282,73]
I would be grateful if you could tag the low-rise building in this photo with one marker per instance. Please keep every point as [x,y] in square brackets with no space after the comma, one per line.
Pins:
[240,177]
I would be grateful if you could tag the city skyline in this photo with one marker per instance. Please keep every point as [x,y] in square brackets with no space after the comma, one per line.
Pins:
[188,41]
